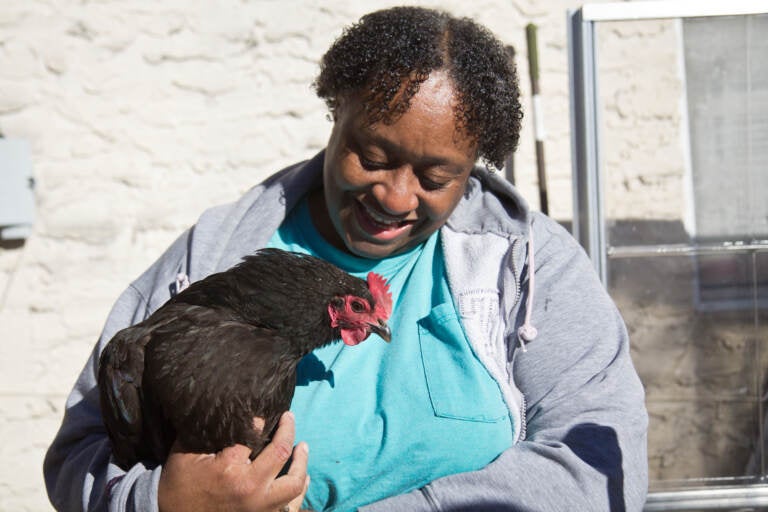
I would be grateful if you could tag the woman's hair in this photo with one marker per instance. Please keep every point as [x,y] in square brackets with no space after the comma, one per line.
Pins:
[384,58]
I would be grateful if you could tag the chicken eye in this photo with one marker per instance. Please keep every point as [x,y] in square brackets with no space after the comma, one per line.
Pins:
[357,306]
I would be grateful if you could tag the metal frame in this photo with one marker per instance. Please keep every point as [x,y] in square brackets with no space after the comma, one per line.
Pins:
[709,498]
[585,139]
[588,208]
[664,9]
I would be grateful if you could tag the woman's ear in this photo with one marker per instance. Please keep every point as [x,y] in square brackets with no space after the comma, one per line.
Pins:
[340,104]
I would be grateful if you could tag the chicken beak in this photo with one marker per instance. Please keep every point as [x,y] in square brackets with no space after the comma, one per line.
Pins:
[382,329]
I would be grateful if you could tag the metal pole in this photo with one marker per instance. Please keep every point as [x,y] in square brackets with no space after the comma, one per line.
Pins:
[538,123]
[588,213]
[509,163]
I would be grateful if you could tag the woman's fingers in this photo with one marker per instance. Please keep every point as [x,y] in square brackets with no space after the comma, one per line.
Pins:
[295,482]
[228,480]
[235,454]
[295,504]
[273,457]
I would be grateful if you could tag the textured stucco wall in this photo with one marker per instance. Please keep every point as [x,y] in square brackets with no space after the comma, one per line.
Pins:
[140,114]
[642,95]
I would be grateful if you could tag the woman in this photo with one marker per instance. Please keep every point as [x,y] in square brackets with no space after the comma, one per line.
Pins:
[471,407]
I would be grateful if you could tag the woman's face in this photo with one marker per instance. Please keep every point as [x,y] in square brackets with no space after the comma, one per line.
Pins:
[388,187]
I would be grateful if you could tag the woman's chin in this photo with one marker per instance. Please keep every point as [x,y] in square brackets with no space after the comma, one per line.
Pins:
[364,249]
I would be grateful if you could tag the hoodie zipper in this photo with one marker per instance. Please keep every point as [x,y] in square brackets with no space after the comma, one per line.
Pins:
[523,423]
[511,348]
[518,285]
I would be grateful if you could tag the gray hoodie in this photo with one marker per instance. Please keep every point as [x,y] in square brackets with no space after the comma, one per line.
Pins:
[574,397]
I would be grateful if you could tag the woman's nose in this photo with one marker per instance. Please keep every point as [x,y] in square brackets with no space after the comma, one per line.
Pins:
[397,192]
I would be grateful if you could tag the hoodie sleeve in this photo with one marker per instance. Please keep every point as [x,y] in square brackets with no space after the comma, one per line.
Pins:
[78,468]
[78,471]
[586,419]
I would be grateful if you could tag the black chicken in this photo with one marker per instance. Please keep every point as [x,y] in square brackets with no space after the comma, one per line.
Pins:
[225,350]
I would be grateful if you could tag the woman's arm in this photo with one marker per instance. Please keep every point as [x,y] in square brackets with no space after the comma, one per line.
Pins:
[78,468]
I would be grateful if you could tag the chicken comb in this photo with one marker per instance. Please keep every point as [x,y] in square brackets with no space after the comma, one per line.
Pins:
[381,294]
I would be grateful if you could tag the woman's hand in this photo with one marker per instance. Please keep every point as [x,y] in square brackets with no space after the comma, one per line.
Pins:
[229,481]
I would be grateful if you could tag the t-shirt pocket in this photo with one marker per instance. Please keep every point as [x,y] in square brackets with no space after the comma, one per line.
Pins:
[459,386]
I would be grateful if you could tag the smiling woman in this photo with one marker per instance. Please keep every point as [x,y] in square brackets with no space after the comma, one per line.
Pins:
[389,186]
[456,413]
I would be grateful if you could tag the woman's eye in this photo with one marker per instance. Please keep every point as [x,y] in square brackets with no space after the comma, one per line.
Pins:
[371,165]
[430,184]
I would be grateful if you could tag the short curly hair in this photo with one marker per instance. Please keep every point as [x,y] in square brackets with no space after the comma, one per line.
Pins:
[386,56]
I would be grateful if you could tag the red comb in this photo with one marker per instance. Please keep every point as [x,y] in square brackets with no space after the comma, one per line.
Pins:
[381,294]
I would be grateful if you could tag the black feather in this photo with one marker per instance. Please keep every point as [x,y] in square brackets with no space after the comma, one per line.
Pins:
[217,354]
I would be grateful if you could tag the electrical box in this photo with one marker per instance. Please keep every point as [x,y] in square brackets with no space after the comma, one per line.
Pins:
[17,198]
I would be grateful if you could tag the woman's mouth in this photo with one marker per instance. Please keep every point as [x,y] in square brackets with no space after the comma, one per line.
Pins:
[380,226]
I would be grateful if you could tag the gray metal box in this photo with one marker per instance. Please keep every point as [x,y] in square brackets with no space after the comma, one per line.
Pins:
[17,200]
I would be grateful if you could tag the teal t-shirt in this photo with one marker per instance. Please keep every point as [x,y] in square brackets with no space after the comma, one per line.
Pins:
[383,419]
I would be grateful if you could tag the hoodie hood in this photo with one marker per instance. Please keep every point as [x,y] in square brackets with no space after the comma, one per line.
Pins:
[503,211]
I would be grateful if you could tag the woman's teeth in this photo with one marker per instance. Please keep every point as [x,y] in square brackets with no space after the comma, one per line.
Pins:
[383,221]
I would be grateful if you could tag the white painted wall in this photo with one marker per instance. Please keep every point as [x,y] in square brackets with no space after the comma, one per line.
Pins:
[140,114]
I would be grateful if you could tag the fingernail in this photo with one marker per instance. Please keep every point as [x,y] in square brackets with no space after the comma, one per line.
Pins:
[304,446]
